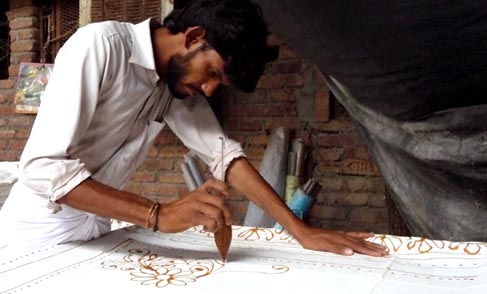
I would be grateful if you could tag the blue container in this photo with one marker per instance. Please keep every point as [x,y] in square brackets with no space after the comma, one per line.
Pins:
[300,205]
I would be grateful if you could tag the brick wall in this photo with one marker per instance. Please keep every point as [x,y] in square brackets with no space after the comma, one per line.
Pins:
[291,93]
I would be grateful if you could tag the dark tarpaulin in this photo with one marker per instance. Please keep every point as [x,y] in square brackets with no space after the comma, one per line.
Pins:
[413,74]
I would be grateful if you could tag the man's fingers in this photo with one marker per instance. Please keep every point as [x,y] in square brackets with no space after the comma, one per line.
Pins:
[360,237]
[364,247]
[217,201]
[212,218]
[343,243]
[213,187]
[204,206]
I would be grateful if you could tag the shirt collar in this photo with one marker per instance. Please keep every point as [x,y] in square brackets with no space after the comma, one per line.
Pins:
[142,52]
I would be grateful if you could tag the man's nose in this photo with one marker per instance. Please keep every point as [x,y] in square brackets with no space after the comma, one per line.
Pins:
[209,87]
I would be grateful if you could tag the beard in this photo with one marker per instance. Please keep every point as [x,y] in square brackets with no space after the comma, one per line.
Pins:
[178,69]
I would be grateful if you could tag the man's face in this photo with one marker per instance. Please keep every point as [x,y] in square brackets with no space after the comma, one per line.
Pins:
[198,72]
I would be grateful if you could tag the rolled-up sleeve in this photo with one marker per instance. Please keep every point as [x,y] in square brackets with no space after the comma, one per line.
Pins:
[195,124]
[67,107]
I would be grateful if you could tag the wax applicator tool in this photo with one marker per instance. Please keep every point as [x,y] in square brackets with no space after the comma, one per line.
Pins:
[223,237]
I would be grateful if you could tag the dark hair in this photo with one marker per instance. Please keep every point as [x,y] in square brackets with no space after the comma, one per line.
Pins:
[236,30]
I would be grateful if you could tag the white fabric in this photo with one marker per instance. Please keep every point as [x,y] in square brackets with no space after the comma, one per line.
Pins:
[101,111]
[8,176]
[260,260]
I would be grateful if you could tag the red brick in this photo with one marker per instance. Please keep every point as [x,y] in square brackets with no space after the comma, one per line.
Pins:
[23,133]
[27,34]
[377,200]
[17,144]
[328,167]
[336,140]
[258,96]
[166,139]
[254,153]
[291,123]
[7,109]
[274,110]
[17,58]
[330,154]
[257,140]
[3,144]
[24,46]
[358,153]
[140,176]
[322,105]
[369,215]
[291,110]
[335,125]
[235,111]
[329,212]
[348,199]
[22,3]
[21,121]
[171,178]
[249,125]
[277,81]
[273,40]
[290,66]
[232,125]
[158,164]
[283,95]
[286,53]
[13,70]
[237,137]
[171,152]
[158,189]
[153,151]
[7,134]
[24,22]
[293,80]
[365,184]
[23,11]
[135,188]
[7,84]
[271,82]
[332,183]
[6,97]
[360,167]
[9,156]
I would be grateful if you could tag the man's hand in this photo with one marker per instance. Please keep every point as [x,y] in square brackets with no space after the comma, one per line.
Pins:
[204,206]
[343,243]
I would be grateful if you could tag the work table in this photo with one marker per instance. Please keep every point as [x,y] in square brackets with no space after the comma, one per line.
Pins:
[136,260]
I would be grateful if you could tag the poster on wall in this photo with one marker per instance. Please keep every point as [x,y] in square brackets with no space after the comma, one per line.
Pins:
[31,83]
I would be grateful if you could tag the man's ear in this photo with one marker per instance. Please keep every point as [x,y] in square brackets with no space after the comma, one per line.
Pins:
[194,35]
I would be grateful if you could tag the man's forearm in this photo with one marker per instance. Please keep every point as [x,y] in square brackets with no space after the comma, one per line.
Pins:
[198,207]
[243,177]
[94,197]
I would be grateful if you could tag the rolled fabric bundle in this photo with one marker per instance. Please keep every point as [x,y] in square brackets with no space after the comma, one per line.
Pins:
[193,166]
[273,169]
[188,176]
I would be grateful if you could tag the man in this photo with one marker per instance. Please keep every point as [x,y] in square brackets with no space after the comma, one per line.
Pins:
[106,102]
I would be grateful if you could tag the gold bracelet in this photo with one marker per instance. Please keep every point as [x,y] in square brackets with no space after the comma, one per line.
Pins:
[151,214]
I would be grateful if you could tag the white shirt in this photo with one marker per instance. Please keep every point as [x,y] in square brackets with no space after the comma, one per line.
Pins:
[100,113]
